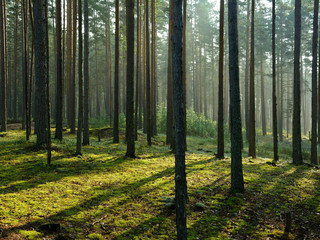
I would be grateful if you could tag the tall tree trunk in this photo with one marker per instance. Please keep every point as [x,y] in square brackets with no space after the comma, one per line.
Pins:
[180,178]
[69,59]
[314,100]
[41,71]
[170,110]
[59,78]
[296,128]
[237,183]
[184,68]
[220,153]
[15,94]
[263,105]
[137,96]
[3,104]
[252,139]
[246,78]
[274,97]
[148,82]
[130,133]
[73,73]
[116,78]
[86,76]
[80,102]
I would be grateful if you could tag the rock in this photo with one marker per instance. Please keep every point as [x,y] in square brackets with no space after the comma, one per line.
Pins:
[50,227]
[200,206]
[170,205]
[239,195]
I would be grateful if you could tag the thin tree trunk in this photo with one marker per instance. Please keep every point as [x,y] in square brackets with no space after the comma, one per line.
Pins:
[263,106]
[130,133]
[314,100]
[86,76]
[116,78]
[80,111]
[59,96]
[296,128]
[220,153]
[246,78]
[3,107]
[252,139]
[274,98]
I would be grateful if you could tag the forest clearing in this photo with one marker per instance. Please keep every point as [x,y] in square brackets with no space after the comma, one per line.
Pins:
[104,195]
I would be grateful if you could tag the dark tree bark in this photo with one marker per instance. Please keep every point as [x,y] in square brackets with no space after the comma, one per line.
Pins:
[237,183]
[15,94]
[263,105]
[170,108]
[274,97]
[148,82]
[130,133]
[41,71]
[86,76]
[59,77]
[220,153]
[180,168]
[80,109]
[3,103]
[184,68]
[296,128]
[116,78]
[314,109]
[246,80]
[25,110]
[73,71]
[137,70]
[252,123]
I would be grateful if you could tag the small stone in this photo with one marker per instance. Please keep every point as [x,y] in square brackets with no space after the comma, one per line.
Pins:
[200,206]
[239,195]
[170,205]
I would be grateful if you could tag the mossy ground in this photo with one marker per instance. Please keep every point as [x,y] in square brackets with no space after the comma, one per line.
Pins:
[103,195]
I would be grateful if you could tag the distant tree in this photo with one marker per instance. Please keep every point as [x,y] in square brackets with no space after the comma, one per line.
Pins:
[130,130]
[220,153]
[296,131]
[148,83]
[274,97]
[252,127]
[180,178]
[314,158]
[3,103]
[263,107]
[80,79]
[15,94]
[41,70]
[237,183]
[116,77]
[86,76]
[137,69]
[246,78]
[170,108]
[59,76]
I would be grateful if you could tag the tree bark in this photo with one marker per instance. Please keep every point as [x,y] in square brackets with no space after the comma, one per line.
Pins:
[237,182]
[86,76]
[59,78]
[116,78]
[41,71]
[180,168]
[80,107]
[130,133]
[220,153]
[274,97]
[296,128]
[252,136]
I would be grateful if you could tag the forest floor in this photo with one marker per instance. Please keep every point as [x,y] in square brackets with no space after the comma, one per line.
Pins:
[103,195]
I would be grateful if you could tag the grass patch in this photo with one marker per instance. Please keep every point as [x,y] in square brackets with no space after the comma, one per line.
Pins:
[103,195]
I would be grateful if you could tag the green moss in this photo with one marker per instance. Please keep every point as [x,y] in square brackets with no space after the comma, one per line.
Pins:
[31,235]
[95,236]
